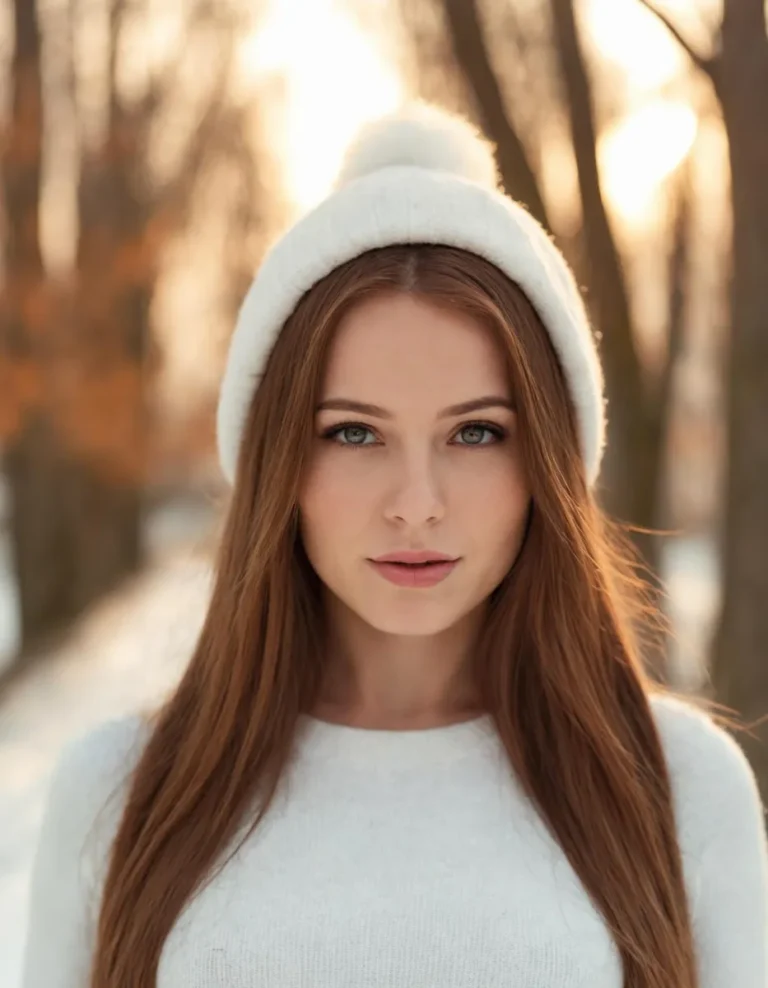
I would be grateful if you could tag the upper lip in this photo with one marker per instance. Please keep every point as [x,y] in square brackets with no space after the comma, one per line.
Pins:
[414,557]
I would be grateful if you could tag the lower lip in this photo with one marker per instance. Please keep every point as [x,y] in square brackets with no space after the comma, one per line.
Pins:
[415,576]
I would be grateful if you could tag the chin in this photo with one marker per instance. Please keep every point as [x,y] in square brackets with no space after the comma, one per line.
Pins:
[410,629]
[409,620]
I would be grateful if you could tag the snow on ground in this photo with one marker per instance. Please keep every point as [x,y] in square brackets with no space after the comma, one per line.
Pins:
[129,651]
[132,649]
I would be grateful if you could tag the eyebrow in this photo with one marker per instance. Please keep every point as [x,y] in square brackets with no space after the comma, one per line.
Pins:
[473,405]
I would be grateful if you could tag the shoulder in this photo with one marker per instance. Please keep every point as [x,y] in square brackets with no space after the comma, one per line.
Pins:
[88,782]
[78,823]
[93,760]
[695,745]
[715,792]
[688,731]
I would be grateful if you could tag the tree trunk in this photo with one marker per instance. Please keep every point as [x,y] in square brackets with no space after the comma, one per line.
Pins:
[35,465]
[471,54]
[740,659]
[71,416]
[107,420]
[631,475]
[74,409]
[34,462]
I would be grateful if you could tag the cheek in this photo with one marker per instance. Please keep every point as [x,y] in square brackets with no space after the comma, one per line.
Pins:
[493,509]
[334,500]
[493,496]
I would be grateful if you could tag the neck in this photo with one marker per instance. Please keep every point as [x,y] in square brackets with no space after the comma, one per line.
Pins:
[376,678]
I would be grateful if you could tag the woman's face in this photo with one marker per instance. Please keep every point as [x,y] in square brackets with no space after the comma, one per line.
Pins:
[408,476]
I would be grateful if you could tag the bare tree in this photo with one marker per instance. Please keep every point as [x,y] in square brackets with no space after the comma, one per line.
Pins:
[127,217]
[77,451]
[638,411]
[472,56]
[32,454]
[738,70]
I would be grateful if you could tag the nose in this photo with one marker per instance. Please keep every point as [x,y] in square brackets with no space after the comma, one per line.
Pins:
[416,496]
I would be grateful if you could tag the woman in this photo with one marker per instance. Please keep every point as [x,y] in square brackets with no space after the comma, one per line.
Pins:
[415,744]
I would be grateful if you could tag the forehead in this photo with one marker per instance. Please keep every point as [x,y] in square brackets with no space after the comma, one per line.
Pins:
[403,344]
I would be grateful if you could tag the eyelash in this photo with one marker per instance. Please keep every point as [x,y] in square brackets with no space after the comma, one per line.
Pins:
[334,430]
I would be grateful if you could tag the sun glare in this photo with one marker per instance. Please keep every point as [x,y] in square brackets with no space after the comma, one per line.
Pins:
[335,80]
[641,151]
[334,77]
[630,36]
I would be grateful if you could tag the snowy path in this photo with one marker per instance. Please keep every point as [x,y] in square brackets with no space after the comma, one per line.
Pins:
[130,651]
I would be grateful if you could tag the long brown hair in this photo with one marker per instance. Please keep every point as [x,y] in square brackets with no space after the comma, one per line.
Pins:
[559,665]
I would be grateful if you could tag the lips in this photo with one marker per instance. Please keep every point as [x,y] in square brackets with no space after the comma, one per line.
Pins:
[425,574]
[414,558]
[404,565]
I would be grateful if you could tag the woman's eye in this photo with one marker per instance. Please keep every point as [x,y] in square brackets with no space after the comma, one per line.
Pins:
[473,433]
[354,433]
[476,429]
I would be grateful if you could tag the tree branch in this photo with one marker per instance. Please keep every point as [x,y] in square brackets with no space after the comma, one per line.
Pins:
[678,271]
[472,55]
[117,12]
[702,62]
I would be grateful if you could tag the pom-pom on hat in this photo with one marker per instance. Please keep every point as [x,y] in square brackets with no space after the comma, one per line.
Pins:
[419,175]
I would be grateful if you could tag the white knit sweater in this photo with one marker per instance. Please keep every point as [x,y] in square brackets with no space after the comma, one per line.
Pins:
[406,858]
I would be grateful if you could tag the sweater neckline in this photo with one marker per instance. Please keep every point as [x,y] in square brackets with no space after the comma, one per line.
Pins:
[324,738]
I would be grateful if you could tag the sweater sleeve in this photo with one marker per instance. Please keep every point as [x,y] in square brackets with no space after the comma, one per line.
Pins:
[721,825]
[79,815]
[730,906]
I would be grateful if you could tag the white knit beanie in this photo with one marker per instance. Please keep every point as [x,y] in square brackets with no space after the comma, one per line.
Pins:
[420,175]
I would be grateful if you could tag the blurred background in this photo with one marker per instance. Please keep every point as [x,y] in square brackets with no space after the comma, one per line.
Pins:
[153,149]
